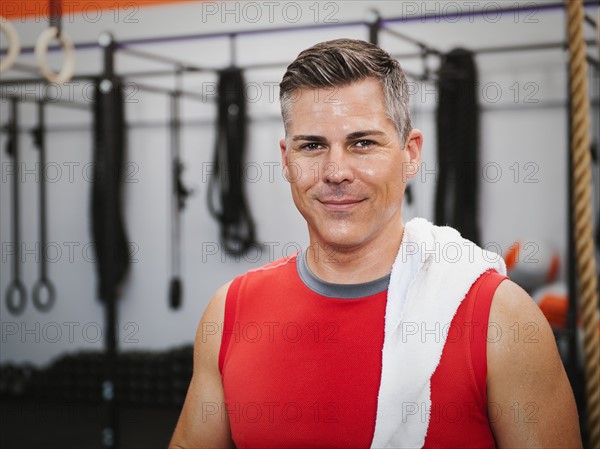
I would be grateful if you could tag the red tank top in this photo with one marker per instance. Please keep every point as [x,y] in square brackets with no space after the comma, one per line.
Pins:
[302,370]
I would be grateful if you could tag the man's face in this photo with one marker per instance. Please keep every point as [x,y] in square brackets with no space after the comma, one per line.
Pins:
[346,164]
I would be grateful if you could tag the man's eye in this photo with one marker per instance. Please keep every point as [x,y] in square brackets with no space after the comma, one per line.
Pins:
[364,144]
[311,146]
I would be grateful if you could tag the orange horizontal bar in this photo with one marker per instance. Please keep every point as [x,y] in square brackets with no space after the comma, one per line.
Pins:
[40,9]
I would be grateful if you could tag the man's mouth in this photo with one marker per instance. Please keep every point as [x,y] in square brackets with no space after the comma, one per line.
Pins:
[340,203]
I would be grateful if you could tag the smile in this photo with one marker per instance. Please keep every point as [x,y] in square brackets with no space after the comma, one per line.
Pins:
[340,204]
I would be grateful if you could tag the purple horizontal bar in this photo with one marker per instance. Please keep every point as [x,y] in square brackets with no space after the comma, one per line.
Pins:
[478,13]
[421,18]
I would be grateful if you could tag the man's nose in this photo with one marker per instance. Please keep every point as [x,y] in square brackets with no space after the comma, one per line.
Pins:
[338,166]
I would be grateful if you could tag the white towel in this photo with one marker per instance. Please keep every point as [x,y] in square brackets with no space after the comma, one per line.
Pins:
[433,271]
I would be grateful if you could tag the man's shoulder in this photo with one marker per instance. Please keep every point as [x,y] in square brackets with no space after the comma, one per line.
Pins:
[275,266]
[273,270]
[263,279]
[254,276]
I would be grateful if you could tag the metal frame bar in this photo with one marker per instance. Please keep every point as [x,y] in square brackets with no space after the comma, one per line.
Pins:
[590,20]
[46,101]
[478,13]
[127,44]
[183,93]
[163,59]
[423,46]
[194,123]
[273,65]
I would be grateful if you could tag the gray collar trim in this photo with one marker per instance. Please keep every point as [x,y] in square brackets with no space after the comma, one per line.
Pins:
[343,291]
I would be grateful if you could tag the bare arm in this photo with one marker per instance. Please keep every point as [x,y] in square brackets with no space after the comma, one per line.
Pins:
[530,401]
[203,421]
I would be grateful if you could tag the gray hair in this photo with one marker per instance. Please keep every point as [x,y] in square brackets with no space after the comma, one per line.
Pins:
[338,63]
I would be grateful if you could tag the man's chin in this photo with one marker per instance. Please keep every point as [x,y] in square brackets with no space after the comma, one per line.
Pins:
[343,242]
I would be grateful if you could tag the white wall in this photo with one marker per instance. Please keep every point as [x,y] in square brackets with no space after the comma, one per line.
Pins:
[515,129]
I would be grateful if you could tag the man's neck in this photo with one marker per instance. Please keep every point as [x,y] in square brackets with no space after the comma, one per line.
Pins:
[340,265]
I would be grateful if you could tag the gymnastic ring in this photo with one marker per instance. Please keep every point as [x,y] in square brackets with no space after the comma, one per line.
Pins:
[14,45]
[40,285]
[16,291]
[41,51]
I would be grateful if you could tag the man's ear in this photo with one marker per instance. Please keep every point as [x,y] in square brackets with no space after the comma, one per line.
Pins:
[413,146]
[284,158]
[283,148]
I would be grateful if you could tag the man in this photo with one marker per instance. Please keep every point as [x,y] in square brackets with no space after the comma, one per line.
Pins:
[375,335]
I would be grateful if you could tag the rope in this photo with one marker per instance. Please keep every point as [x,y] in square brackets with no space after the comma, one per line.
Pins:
[55,19]
[582,204]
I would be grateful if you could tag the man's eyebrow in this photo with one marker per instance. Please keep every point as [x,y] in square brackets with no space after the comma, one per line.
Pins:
[309,138]
[351,136]
[359,134]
